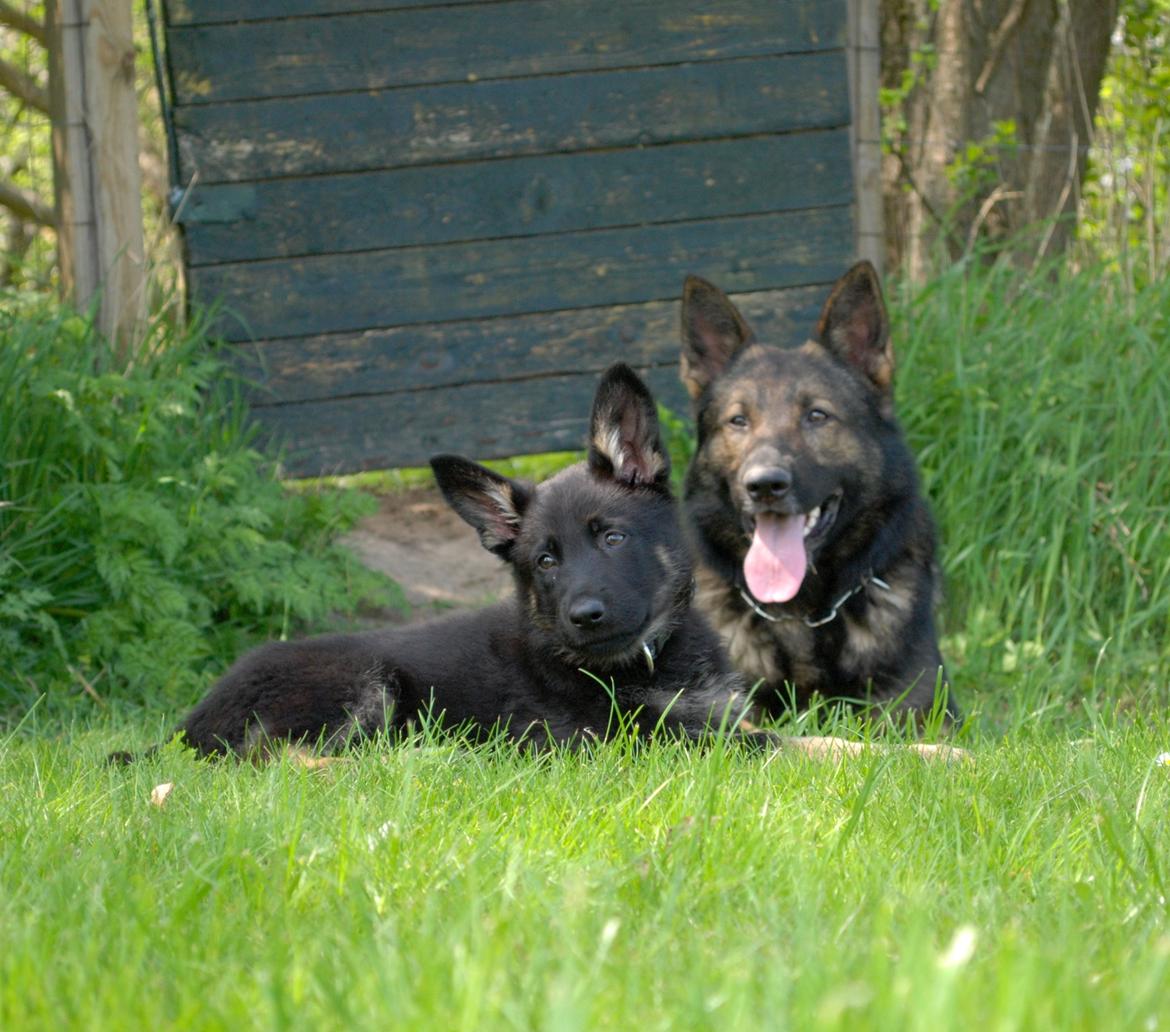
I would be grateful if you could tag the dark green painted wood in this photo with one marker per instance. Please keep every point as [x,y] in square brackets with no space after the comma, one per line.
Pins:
[448,267]
[210,12]
[429,124]
[292,57]
[516,197]
[481,420]
[305,296]
[498,350]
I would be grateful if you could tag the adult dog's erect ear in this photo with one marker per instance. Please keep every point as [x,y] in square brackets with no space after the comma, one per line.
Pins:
[854,326]
[713,332]
[623,432]
[491,503]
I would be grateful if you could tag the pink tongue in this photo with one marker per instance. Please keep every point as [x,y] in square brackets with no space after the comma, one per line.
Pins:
[775,564]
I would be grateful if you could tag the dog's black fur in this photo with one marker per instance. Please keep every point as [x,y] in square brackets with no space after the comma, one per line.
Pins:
[809,435]
[603,584]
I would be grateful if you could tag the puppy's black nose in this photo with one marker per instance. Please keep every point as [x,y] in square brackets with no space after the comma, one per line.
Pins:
[767,482]
[587,613]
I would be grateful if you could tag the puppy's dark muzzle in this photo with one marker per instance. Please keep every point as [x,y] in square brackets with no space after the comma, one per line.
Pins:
[588,614]
[589,622]
[595,627]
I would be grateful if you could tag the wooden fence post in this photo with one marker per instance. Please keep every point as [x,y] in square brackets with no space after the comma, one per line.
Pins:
[865,57]
[95,161]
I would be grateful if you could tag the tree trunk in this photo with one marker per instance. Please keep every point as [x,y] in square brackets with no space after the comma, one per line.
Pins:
[995,110]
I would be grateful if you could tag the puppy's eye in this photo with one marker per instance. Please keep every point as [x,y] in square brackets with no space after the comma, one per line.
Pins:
[545,561]
[817,415]
[739,421]
[613,538]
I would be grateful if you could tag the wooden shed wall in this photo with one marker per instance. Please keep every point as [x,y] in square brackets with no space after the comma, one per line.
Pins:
[430,225]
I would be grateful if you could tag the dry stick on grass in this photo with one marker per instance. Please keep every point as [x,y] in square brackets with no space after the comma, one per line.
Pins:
[86,686]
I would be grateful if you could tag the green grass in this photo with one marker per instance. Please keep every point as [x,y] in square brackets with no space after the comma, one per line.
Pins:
[1038,408]
[669,888]
[657,888]
[385,481]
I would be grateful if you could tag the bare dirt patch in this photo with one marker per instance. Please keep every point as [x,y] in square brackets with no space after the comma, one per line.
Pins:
[435,557]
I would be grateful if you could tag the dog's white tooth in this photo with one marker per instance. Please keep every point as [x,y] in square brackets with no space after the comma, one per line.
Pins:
[810,520]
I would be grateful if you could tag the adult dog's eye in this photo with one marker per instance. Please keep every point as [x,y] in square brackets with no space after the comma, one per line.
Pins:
[545,561]
[817,415]
[613,538]
[739,421]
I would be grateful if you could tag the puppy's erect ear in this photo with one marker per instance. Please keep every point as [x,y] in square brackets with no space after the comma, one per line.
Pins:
[712,332]
[854,326]
[623,432]
[492,504]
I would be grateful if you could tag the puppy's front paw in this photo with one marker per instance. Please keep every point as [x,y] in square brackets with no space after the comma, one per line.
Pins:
[943,753]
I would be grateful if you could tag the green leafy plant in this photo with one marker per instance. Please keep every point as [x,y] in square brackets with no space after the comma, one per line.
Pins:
[143,539]
[680,445]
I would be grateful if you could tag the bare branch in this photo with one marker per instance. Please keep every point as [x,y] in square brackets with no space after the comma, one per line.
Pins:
[20,237]
[907,173]
[999,40]
[87,686]
[1071,180]
[22,22]
[24,87]
[1000,193]
[25,205]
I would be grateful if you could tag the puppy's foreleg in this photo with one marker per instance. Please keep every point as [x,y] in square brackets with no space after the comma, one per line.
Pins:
[829,747]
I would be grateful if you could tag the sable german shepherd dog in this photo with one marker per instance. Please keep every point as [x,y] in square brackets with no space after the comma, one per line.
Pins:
[603,587]
[816,548]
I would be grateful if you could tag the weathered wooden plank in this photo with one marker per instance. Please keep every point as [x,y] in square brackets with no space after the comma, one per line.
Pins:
[95,149]
[481,420]
[211,12]
[497,350]
[419,125]
[515,197]
[375,50]
[865,60]
[331,293]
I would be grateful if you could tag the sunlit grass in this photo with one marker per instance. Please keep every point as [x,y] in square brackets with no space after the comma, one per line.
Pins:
[662,887]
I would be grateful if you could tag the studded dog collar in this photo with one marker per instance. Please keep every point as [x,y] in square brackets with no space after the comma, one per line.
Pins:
[809,621]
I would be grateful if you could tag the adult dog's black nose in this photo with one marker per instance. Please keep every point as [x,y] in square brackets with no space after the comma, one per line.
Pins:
[767,482]
[587,613]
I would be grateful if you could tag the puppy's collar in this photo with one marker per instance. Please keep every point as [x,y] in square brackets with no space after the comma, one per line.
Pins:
[649,652]
[652,647]
[810,621]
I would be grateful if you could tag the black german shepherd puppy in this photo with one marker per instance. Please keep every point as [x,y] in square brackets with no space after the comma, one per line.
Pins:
[817,550]
[603,587]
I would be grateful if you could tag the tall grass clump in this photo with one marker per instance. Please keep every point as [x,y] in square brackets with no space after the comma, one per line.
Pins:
[143,539]
[1038,407]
